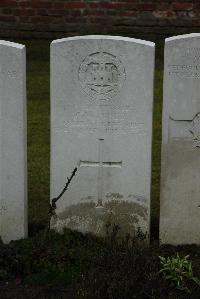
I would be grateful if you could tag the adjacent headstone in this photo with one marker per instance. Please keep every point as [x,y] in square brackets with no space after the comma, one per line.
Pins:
[180,186]
[13,176]
[101,121]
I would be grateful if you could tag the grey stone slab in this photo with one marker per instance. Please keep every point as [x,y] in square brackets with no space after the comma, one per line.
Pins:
[180,188]
[13,174]
[101,122]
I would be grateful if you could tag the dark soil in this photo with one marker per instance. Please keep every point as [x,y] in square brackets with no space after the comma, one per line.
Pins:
[73,265]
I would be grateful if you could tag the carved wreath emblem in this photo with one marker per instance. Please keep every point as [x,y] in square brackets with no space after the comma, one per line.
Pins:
[101,75]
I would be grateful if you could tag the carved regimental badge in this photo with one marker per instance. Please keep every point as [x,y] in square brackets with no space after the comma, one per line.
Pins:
[101,75]
[195,130]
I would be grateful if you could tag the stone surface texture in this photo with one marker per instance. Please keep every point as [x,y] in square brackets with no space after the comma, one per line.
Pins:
[101,122]
[13,174]
[180,188]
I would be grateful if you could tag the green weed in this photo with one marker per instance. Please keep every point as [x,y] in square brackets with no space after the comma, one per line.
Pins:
[178,270]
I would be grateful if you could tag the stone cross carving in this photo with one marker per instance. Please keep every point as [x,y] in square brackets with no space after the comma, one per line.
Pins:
[190,127]
[100,164]
[195,130]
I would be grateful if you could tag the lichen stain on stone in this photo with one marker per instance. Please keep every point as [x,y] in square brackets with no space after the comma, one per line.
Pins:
[87,218]
[114,196]
[87,198]
[129,216]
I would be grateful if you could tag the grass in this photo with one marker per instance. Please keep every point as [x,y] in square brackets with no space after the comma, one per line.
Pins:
[156,153]
[38,95]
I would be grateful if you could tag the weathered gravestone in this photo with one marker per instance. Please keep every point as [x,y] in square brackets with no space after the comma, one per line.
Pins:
[101,120]
[13,177]
[180,187]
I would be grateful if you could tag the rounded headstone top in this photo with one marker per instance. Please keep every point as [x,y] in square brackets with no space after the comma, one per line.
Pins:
[11,44]
[105,37]
[181,37]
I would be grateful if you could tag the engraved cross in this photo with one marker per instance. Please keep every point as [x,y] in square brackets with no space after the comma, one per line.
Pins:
[100,164]
[187,127]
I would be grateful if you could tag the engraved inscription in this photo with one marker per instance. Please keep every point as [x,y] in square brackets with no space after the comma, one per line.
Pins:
[184,71]
[10,73]
[189,69]
[192,54]
[101,75]
[195,130]
[109,118]
[3,209]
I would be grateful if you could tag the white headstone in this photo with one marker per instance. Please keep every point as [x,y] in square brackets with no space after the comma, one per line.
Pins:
[13,176]
[101,120]
[180,187]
